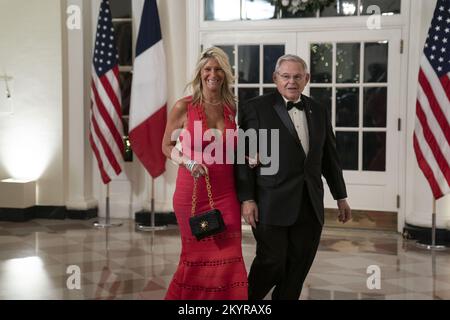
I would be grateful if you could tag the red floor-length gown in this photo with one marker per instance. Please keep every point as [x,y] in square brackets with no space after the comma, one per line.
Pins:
[212,268]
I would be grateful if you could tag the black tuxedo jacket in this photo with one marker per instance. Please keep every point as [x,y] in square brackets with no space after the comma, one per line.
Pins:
[279,196]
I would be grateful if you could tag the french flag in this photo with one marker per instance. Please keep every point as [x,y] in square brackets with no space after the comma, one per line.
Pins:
[148,106]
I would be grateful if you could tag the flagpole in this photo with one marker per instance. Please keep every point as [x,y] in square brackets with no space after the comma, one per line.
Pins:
[433,245]
[152,227]
[148,104]
[107,222]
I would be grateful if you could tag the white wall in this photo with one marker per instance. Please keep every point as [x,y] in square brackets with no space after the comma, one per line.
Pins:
[31,136]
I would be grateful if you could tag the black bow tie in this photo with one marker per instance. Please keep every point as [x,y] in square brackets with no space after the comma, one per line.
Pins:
[299,105]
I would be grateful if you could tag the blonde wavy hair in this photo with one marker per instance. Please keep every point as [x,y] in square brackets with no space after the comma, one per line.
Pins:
[196,85]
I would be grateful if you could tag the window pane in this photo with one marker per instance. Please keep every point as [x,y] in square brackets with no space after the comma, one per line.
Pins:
[222,10]
[347,111]
[321,62]
[271,55]
[375,61]
[229,50]
[122,33]
[258,9]
[374,151]
[347,62]
[322,96]
[340,8]
[294,9]
[375,104]
[125,79]
[268,90]
[347,148]
[247,93]
[385,6]
[120,8]
[248,64]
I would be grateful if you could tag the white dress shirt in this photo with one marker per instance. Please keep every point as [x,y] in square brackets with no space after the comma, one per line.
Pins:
[300,122]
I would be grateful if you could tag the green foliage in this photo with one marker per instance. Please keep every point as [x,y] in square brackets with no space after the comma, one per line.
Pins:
[294,6]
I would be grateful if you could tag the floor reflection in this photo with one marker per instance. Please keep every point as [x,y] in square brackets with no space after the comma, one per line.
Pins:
[37,260]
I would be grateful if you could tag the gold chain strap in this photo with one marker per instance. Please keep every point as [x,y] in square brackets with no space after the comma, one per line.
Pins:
[208,187]
[194,195]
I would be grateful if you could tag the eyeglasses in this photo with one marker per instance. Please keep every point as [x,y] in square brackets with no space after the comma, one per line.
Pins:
[286,77]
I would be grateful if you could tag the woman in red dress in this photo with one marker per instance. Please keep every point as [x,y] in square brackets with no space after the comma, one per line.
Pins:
[211,268]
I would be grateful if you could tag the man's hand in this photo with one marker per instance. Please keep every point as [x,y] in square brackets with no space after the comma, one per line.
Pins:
[249,211]
[345,213]
[253,162]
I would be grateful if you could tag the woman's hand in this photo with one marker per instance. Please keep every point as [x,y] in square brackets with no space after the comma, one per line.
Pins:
[199,170]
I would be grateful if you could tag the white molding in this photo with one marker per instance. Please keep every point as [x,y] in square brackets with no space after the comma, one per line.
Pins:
[250,37]
[305,24]
[78,153]
[403,113]
[192,36]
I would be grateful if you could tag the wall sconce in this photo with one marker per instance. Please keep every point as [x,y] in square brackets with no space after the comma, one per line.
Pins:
[17,194]
[5,94]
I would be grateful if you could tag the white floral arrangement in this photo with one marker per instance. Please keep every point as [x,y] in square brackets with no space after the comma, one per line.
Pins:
[294,6]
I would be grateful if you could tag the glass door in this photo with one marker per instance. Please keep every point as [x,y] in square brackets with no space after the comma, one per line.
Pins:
[356,76]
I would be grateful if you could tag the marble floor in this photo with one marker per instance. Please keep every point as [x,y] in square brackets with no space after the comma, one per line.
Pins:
[69,259]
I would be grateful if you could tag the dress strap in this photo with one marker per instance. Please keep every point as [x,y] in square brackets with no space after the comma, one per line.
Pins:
[191,109]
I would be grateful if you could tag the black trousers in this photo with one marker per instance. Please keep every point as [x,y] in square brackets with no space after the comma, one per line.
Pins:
[284,255]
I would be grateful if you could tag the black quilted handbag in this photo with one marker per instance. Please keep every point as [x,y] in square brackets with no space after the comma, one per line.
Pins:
[207,223]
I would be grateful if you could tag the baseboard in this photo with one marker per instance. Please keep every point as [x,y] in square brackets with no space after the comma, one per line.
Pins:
[143,217]
[373,220]
[49,212]
[82,214]
[45,212]
[364,219]
[16,215]
[423,234]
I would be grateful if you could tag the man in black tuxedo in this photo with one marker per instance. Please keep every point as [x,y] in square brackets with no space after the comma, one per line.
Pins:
[286,209]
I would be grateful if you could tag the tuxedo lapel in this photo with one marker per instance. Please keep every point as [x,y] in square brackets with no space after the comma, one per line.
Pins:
[282,112]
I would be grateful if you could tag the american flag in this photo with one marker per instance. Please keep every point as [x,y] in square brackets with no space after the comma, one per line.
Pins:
[432,129]
[106,128]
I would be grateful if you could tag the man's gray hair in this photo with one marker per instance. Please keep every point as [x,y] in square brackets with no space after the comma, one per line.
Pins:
[291,57]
